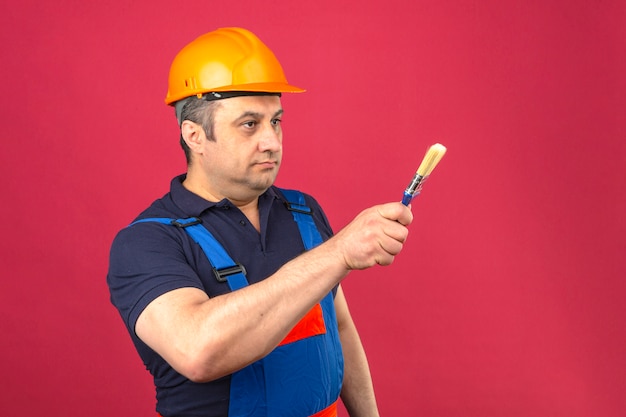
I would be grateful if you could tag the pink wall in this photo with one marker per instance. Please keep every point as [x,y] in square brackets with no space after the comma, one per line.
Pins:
[509,297]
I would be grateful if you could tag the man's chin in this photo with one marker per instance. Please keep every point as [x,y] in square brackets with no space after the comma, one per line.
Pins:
[261,185]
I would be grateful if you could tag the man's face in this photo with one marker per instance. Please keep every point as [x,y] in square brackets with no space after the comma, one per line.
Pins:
[244,159]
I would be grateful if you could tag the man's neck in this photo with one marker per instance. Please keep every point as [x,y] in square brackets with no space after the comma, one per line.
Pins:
[249,205]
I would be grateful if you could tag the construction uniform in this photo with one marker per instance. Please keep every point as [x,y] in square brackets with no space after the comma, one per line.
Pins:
[302,376]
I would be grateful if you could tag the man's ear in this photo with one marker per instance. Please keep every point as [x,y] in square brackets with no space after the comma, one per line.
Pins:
[192,134]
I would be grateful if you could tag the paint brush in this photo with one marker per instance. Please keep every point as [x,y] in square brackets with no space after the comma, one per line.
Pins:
[430,161]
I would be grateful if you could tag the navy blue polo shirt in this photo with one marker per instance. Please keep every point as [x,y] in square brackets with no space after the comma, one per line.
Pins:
[150,259]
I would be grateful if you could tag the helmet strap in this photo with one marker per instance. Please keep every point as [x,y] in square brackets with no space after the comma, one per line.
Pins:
[221,95]
[216,95]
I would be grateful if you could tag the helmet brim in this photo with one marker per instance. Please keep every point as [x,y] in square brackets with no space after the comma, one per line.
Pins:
[252,87]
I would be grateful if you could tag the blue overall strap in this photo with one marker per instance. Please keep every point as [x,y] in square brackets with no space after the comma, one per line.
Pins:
[303,215]
[224,268]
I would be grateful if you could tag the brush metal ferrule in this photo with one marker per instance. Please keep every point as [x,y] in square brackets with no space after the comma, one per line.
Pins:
[416,184]
[413,189]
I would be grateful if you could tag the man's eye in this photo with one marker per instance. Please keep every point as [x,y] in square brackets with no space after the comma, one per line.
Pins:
[249,124]
[276,122]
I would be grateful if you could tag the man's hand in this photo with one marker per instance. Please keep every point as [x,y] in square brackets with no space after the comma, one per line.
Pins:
[375,236]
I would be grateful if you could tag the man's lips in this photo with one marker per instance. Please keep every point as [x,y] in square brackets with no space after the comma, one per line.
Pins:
[267,164]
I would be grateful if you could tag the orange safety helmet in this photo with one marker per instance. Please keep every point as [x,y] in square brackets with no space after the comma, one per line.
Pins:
[227,59]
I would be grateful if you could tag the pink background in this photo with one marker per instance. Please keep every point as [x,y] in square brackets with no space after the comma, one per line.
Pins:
[508,299]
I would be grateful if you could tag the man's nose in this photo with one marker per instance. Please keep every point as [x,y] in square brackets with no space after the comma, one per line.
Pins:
[271,138]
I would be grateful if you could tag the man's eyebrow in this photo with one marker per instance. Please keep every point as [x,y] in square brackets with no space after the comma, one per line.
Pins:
[258,115]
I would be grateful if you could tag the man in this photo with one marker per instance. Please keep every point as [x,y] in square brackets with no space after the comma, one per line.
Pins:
[271,335]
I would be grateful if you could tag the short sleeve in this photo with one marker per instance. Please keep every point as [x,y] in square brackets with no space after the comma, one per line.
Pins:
[146,261]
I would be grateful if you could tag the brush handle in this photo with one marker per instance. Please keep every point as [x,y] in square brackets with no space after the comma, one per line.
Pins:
[406,198]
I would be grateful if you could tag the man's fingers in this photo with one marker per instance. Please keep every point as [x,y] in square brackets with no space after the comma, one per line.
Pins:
[397,212]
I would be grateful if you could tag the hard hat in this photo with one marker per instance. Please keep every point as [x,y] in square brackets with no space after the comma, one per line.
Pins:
[227,59]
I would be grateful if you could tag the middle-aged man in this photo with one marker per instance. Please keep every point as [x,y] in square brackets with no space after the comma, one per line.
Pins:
[229,286]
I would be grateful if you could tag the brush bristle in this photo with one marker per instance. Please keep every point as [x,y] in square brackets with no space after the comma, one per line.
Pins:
[431,159]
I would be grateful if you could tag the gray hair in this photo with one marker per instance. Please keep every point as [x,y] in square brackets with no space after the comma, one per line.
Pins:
[199,111]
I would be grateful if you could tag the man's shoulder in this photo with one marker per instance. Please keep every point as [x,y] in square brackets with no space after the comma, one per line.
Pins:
[283,193]
[163,207]
[138,231]
[166,206]
[311,202]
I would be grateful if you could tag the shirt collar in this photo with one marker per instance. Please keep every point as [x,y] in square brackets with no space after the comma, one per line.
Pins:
[194,205]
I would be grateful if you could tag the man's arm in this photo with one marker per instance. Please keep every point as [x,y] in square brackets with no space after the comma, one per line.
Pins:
[357,392]
[206,338]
